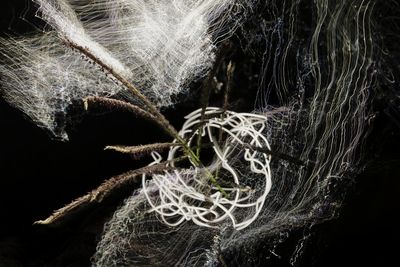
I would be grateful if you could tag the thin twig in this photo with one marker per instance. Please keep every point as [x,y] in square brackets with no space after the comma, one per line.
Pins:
[115,104]
[140,151]
[97,195]
[149,105]
[205,95]
[229,75]
[229,78]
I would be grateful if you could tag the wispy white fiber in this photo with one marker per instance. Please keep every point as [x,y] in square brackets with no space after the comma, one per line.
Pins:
[184,196]
[322,71]
[61,16]
[160,46]
[42,78]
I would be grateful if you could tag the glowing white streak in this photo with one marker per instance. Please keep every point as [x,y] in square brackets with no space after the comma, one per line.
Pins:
[63,19]
[159,46]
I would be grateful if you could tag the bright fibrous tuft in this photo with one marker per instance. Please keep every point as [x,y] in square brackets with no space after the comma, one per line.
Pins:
[160,46]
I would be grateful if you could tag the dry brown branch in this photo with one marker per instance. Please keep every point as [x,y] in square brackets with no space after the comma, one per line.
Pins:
[229,77]
[115,104]
[139,151]
[97,195]
[128,85]
[105,189]
[205,96]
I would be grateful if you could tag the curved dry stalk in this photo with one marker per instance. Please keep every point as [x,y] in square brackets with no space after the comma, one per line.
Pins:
[117,104]
[102,192]
[139,151]
[229,78]
[150,106]
[109,186]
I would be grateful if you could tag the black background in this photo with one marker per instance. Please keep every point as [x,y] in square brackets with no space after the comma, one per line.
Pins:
[39,174]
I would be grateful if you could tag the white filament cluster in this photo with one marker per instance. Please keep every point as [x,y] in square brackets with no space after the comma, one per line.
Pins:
[179,196]
[159,46]
[319,62]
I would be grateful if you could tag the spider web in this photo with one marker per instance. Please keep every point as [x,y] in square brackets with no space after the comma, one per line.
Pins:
[320,72]
[161,46]
[322,119]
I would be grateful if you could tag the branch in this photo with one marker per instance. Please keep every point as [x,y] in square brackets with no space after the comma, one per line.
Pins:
[140,151]
[151,107]
[117,104]
[229,77]
[105,190]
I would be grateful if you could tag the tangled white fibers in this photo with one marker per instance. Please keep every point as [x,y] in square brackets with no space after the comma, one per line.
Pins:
[161,46]
[186,195]
[321,119]
[314,83]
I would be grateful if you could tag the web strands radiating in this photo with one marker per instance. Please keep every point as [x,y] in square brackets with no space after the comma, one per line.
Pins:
[160,46]
[138,238]
[326,118]
[176,199]
[42,78]
[322,75]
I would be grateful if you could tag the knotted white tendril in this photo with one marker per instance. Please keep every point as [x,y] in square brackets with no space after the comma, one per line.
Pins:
[188,194]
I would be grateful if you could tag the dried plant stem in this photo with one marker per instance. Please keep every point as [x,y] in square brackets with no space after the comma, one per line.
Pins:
[117,104]
[139,151]
[150,106]
[206,92]
[112,184]
[229,76]
[97,195]
[205,97]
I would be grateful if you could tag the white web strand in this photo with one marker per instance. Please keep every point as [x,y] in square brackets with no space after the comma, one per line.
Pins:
[62,17]
[45,77]
[160,46]
[323,71]
[184,195]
